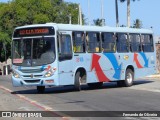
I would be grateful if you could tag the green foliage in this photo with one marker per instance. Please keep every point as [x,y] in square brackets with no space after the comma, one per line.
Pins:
[24,12]
[126,0]
[137,23]
[122,26]
[98,22]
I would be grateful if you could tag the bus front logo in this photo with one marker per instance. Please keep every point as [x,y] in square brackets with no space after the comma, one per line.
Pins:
[31,75]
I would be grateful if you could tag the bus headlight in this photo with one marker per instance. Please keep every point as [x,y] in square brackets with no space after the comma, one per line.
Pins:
[50,72]
[15,74]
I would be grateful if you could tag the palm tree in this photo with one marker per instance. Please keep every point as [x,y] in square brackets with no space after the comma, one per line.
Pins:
[128,11]
[137,23]
[98,22]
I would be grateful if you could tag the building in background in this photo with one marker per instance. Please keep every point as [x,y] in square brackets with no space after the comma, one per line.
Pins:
[157,40]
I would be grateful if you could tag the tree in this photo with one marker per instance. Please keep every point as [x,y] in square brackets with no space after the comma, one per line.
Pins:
[137,24]
[25,12]
[128,11]
[98,22]
[122,26]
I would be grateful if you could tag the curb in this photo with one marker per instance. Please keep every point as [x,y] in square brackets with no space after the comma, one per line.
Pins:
[154,76]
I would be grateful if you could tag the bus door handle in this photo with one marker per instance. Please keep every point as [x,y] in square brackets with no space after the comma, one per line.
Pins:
[76,55]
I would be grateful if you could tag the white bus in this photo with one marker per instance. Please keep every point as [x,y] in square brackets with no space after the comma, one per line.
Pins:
[63,54]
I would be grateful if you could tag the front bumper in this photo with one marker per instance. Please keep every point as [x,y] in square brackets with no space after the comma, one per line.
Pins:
[50,81]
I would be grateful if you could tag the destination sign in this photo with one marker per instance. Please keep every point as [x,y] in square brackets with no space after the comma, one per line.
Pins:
[34,31]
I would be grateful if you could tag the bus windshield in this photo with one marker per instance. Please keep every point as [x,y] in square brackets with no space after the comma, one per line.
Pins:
[33,51]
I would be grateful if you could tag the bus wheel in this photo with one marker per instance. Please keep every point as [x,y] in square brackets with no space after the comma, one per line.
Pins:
[129,77]
[95,85]
[40,89]
[77,82]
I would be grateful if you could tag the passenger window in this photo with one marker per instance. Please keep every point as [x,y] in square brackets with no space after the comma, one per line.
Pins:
[147,43]
[78,42]
[122,42]
[93,41]
[134,40]
[65,47]
[108,42]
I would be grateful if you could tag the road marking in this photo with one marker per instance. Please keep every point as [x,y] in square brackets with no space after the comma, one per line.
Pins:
[37,104]
[6,89]
[33,101]
[21,96]
[48,109]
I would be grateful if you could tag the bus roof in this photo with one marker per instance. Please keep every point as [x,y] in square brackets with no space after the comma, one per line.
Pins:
[72,27]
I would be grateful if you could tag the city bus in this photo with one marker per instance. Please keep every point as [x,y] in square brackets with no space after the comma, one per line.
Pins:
[64,54]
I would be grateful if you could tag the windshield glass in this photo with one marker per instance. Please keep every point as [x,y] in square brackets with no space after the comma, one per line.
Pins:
[33,51]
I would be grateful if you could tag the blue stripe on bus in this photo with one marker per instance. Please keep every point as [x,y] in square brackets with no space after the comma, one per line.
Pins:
[115,64]
[42,67]
[145,59]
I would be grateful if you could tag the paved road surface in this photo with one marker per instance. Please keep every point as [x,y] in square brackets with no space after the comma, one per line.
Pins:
[144,95]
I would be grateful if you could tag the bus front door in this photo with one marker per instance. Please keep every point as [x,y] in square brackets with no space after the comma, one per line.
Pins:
[65,58]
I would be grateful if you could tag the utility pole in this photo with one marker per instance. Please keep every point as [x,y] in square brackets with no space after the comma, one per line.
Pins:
[117,17]
[70,19]
[4,47]
[128,13]
[88,12]
[102,14]
[80,15]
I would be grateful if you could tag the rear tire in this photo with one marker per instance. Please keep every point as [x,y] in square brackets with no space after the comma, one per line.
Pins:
[129,77]
[77,81]
[95,85]
[40,89]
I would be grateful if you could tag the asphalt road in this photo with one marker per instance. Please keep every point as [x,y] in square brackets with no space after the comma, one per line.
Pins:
[144,95]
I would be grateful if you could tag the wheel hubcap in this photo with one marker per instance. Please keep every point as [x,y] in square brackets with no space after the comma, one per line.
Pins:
[79,80]
[129,78]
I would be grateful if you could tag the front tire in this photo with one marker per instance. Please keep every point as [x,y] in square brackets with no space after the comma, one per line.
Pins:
[129,77]
[40,89]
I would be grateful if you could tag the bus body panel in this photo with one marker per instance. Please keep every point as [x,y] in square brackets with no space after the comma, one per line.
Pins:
[114,65]
[66,73]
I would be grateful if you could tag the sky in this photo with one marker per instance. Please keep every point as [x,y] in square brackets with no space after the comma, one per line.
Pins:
[145,10]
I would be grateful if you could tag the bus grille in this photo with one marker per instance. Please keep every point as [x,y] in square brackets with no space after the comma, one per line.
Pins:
[32,81]
[31,70]
[29,76]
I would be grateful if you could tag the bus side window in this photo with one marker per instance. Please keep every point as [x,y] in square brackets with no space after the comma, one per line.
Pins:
[147,43]
[108,42]
[78,42]
[93,42]
[134,40]
[122,42]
